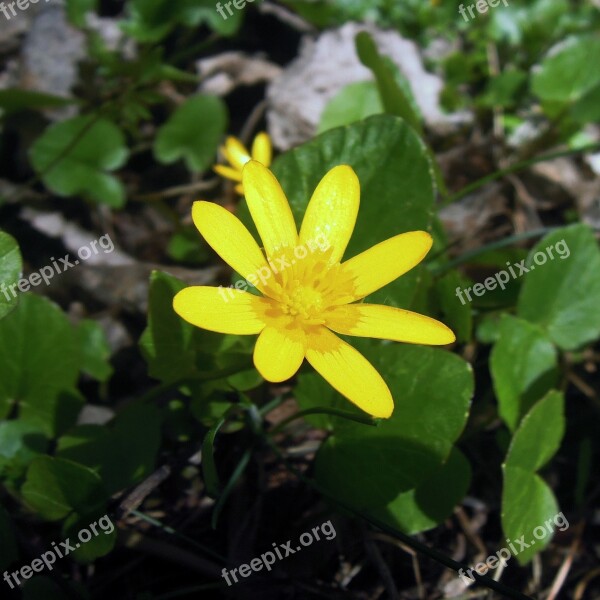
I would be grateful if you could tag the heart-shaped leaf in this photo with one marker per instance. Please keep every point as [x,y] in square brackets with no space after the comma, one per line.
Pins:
[529,508]
[563,294]
[75,157]
[370,466]
[39,365]
[524,367]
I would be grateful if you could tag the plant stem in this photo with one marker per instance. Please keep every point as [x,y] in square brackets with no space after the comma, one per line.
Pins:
[493,246]
[519,166]
[325,411]
[174,532]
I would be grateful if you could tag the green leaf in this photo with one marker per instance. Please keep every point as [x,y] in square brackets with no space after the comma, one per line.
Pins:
[204,11]
[313,391]
[563,295]
[432,390]
[587,109]
[177,352]
[186,246]
[20,443]
[524,367]
[94,350]
[425,507]
[75,157]
[352,103]
[77,10]
[209,467]
[527,503]
[208,410]
[395,179]
[11,266]
[567,74]
[455,314]
[395,100]
[39,365]
[192,133]
[505,89]
[14,100]
[55,488]
[98,545]
[539,434]
[170,344]
[123,452]
[152,20]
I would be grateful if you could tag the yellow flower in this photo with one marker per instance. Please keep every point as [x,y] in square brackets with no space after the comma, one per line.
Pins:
[236,154]
[309,294]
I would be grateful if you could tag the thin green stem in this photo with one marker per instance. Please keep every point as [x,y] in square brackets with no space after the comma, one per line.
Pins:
[519,166]
[237,473]
[463,258]
[174,532]
[323,410]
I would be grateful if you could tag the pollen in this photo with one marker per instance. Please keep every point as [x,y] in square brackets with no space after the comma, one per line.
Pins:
[302,292]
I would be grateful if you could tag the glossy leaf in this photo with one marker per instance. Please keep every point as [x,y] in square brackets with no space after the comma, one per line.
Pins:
[527,502]
[433,500]
[539,434]
[524,367]
[432,390]
[563,294]
[39,365]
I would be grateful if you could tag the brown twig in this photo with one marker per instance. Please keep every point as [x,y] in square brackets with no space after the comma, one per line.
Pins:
[177,190]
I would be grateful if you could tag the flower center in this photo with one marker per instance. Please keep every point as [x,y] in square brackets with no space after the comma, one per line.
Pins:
[303,302]
[304,286]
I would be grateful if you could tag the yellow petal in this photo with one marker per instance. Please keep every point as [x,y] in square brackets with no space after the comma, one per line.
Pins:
[278,354]
[236,153]
[228,172]
[386,261]
[230,239]
[349,372]
[239,188]
[262,150]
[223,310]
[388,323]
[269,208]
[332,210]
